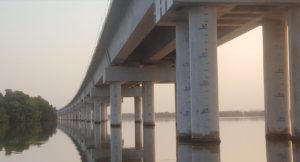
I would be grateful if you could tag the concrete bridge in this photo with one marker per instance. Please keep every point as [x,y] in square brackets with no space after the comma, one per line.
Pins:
[175,41]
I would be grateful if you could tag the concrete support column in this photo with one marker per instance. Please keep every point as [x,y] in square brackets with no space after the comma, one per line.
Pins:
[148,103]
[276,78]
[294,60]
[115,104]
[103,112]
[96,113]
[137,109]
[204,73]
[183,102]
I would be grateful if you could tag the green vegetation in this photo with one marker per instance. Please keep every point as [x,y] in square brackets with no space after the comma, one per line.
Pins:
[16,106]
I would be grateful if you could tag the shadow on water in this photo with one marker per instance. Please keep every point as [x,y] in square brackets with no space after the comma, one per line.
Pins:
[15,138]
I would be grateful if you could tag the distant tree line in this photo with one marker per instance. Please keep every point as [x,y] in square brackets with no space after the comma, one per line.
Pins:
[16,106]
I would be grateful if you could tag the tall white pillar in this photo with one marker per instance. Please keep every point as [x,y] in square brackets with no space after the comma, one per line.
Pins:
[115,103]
[276,78]
[204,73]
[137,109]
[183,90]
[148,103]
[97,107]
[294,61]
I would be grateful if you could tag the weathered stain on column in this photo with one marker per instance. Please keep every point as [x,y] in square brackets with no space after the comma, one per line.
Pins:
[204,73]
[148,103]
[294,61]
[276,78]
[183,90]
[115,103]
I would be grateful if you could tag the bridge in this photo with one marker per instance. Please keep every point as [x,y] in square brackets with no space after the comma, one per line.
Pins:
[175,41]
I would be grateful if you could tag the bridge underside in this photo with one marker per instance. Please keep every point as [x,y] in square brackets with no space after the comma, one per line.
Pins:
[175,41]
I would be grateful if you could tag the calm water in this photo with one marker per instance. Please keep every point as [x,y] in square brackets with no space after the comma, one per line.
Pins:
[242,141]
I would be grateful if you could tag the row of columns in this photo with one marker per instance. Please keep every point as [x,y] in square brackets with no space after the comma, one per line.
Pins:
[197,81]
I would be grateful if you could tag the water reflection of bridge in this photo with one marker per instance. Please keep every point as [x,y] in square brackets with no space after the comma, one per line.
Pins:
[95,144]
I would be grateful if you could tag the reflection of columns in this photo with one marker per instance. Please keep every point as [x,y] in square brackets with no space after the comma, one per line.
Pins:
[115,104]
[278,151]
[138,135]
[296,152]
[294,60]
[276,78]
[137,109]
[204,74]
[149,144]
[116,144]
[103,132]
[184,152]
[138,121]
[183,105]
[148,103]
[97,135]
[209,152]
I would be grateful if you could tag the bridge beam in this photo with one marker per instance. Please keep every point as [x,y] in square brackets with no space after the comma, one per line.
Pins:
[126,92]
[294,60]
[276,78]
[203,66]
[139,74]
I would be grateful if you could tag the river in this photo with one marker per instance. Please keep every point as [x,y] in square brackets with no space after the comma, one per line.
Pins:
[243,140]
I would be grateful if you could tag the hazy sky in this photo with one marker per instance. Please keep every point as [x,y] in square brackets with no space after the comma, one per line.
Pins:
[46,47]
